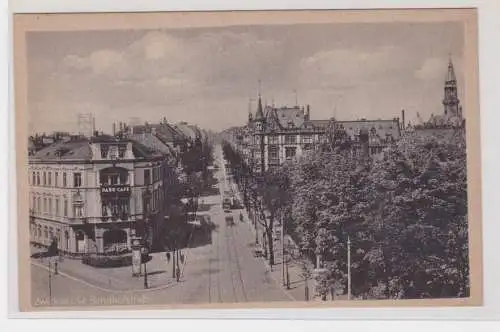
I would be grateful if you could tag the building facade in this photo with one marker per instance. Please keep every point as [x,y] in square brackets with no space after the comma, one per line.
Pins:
[94,194]
[277,135]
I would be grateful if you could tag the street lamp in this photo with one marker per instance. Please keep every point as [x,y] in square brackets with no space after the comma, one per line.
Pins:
[144,252]
[146,214]
[50,284]
[348,268]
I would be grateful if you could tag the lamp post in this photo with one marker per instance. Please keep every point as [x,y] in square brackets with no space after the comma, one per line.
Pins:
[50,284]
[146,214]
[348,268]
[144,252]
[286,276]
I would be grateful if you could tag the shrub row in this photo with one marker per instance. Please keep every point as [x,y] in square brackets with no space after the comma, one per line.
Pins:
[112,261]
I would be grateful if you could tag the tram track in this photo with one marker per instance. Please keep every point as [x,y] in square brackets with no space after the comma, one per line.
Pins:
[238,265]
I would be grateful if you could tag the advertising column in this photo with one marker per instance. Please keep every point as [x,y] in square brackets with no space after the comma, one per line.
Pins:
[136,257]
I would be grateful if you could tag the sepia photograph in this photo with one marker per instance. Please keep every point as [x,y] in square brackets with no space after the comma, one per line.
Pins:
[248,159]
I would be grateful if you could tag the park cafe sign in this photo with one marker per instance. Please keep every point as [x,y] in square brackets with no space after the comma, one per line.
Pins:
[115,189]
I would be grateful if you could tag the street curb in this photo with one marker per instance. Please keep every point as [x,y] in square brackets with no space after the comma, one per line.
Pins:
[108,290]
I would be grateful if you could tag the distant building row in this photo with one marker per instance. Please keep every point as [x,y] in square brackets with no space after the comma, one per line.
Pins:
[275,135]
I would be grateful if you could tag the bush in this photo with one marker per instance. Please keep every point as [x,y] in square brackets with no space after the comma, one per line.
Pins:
[103,261]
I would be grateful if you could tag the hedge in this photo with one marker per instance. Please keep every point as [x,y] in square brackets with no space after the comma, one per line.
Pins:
[112,261]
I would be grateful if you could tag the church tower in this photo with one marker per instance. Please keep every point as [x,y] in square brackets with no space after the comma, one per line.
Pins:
[259,115]
[450,101]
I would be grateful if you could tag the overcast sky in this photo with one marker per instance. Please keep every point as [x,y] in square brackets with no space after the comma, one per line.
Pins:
[206,76]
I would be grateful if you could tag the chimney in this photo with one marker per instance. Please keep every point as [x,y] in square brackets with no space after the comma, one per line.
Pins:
[403,119]
[308,114]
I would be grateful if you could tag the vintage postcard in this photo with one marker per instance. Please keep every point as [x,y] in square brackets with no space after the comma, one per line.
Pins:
[248,159]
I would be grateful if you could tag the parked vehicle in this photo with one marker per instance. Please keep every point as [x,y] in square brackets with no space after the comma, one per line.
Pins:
[226,204]
[229,220]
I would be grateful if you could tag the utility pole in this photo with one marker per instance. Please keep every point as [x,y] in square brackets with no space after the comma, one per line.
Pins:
[283,252]
[348,268]
[50,284]
[173,262]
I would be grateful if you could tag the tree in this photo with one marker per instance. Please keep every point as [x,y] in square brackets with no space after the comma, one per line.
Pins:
[271,195]
[405,213]
[418,219]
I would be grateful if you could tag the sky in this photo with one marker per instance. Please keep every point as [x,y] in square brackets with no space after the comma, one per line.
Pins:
[210,76]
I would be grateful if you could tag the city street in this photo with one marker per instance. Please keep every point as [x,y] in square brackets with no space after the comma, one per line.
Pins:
[224,271]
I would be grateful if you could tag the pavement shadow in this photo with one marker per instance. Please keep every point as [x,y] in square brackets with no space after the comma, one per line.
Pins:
[156,272]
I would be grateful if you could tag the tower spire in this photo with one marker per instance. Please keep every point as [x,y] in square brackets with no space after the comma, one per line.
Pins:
[450,76]
[451,101]
[250,115]
[260,113]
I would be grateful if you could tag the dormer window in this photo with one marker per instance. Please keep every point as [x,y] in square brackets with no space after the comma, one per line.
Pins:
[121,151]
[104,151]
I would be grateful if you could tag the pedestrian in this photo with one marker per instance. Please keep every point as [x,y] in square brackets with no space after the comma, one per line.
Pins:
[241,217]
[178,274]
[168,257]
[182,258]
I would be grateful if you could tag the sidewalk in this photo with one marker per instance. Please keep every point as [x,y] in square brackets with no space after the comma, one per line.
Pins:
[115,279]
[297,289]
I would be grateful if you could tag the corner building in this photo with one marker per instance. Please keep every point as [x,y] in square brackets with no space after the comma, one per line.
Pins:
[94,194]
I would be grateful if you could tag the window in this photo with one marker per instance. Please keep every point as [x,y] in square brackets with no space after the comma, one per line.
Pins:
[44,178]
[77,180]
[45,205]
[45,232]
[113,178]
[273,140]
[56,179]
[307,139]
[34,203]
[121,151]
[39,205]
[37,178]
[290,139]
[64,180]
[147,176]
[273,152]
[104,151]
[290,152]
[123,178]
[65,208]
[50,206]
[50,178]
[33,181]
[77,211]
[57,207]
